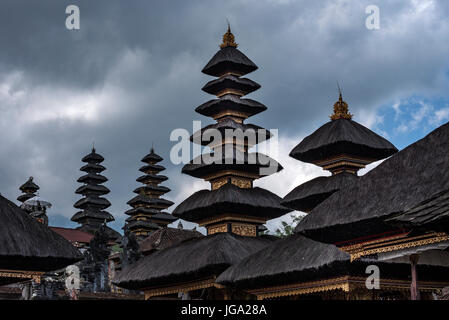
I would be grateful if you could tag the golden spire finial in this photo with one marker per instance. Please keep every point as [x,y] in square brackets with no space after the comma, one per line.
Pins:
[341,110]
[228,39]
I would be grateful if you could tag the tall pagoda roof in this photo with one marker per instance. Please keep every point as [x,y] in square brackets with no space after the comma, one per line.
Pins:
[92,157]
[29,185]
[256,202]
[229,59]
[27,244]
[136,224]
[155,189]
[230,102]
[240,161]
[260,134]
[192,259]
[151,167]
[152,157]
[93,168]
[90,213]
[414,175]
[92,201]
[342,136]
[308,195]
[230,81]
[152,177]
[92,189]
[143,199]
[92,178]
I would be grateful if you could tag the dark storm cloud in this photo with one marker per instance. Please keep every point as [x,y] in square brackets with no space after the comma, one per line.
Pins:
[131,75]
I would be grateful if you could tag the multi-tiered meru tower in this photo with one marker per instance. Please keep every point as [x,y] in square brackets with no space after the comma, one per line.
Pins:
[146,214]
[233,205]
[92,205]
[28,189]
[341,146]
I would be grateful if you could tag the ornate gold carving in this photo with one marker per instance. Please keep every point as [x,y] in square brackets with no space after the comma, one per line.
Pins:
[228,39]
[232,113]
[244,229]
[230,91]
[235,173]
[182,287]
[244,183]
[230,217]
[341,110]
[365,249]
[19,274]
[217,228]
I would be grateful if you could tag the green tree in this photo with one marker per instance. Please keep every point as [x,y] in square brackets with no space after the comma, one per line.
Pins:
[288,228]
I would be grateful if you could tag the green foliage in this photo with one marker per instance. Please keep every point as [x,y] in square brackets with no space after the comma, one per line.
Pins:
[287,229]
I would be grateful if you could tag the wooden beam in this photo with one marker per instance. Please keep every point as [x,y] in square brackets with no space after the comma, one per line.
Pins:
[414,291]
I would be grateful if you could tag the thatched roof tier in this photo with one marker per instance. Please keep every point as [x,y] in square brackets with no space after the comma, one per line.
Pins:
[93,168]
[152,158]
[430,215]
[141,224]
[164,216]
[93,157]
[253,134]
[92,189]
[145,200]
[342,137]
[29,245]
[91,213]
[24,197]
[241,85]
[152,189]
[230,199]
[192,259]
[229,60]
[29,186]
[149,168]
[92,178]
[400,183]
[283,260]
[141,210]
[230,102]
[92,202]
[252,163]
[167,237]
[151,178]
[308,195]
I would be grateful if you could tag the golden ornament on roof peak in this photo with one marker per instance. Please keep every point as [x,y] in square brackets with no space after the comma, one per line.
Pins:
[228,39]
[341,110]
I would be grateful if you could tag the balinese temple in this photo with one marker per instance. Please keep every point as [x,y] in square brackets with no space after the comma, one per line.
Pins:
[92,205]
[30,201]
[346,227]
[29,248]
[233,209]
[28,189]
[146,214]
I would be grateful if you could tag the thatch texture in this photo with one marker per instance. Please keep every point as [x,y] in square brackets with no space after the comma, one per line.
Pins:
[26,244]
[232,129]
[244,85]
[234,159]
[192,259]
[339,137]
[400,183]
[308,195]
[230,102]
[230,199]
[166,237]
[229,59]
[283,261]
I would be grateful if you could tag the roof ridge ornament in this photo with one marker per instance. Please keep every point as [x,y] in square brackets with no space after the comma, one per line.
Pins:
[228,39]
[341,110]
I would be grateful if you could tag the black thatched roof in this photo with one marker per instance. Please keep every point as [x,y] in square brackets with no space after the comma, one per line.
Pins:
[92,178]
[29,186]
[284,260]
[93,168]
[431,214]
[400,183]
[251,162]
[141,210]
[229,59]
[91,213]
[151,177]
[230,81]
[230,102]
[29,245]
[92,189]
[167,237]
[151,168]
[231,128]
[154,189]
[143,199]
[152,158]
[339,137]
[93,201]
[164,216]
[145,224]
[308,195]
[192,259]
[25,196]
[93,157]
[230,199]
